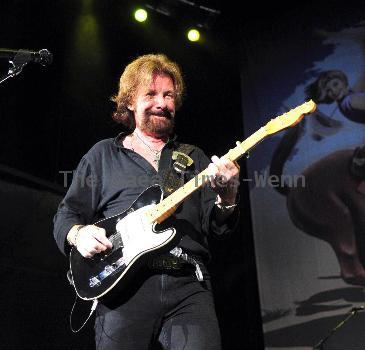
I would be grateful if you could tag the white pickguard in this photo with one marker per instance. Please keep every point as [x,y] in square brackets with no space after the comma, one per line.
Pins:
[138,234]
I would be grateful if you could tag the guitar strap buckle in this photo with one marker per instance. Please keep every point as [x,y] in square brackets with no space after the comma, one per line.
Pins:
[182,161]
[173,178]
[178,252]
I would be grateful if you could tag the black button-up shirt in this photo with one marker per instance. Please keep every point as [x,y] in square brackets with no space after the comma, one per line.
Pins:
[110,177]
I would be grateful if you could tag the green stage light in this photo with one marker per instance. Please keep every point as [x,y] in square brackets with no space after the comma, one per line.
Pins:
[140,15]
[193,35]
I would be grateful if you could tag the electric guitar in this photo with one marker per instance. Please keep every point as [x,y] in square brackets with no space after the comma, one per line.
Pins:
[134,232]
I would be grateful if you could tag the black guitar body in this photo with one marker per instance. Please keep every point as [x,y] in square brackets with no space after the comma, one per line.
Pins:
[134,239]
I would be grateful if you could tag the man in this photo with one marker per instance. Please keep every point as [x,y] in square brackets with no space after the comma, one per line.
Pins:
[168,302]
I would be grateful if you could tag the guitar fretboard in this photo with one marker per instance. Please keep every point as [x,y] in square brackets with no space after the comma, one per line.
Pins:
[166,207]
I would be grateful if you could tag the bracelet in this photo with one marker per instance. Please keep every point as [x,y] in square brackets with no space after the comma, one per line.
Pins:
[225,207]
[75,236]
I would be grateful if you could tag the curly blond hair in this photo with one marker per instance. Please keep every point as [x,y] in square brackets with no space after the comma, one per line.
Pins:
[140,72]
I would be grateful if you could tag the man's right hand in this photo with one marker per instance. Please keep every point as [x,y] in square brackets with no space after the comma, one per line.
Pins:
[92,240]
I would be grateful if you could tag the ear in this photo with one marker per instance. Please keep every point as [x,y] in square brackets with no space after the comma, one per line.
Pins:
[130,107]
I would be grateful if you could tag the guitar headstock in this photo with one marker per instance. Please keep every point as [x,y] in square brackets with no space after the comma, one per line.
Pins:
[288,119]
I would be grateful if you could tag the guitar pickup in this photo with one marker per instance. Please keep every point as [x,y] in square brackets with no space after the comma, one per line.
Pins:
[94,282]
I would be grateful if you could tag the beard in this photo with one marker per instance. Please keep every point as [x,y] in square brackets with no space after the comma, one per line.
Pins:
[156,125]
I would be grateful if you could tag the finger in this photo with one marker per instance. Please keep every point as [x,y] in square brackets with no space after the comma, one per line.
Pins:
[234,167]
[224,170]
[225,162]
[215,159]
[217,162]
[229,165]
[221,169]
[100,236]
[222,174]
[94,246]
[85,253]
[225,166]
[97,249]
[212,170]
[231,169]
[97,238]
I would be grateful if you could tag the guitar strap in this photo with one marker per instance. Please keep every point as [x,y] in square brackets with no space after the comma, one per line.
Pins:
[174,177]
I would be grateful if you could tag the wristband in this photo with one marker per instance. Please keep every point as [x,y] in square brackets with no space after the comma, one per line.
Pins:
[73,243]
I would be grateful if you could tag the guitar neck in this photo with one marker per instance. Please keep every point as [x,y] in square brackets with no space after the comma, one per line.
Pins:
[166,207]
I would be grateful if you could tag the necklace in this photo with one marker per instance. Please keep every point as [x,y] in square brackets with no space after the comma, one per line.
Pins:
[156,154]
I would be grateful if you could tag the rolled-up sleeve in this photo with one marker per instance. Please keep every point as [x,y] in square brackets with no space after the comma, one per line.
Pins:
[79,205]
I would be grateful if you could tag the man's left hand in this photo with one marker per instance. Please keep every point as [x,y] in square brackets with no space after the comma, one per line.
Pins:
[224,179]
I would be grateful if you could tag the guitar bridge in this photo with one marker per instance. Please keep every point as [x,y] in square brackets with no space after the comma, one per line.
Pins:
[95,281]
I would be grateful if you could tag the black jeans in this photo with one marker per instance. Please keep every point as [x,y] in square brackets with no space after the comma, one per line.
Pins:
[166,310]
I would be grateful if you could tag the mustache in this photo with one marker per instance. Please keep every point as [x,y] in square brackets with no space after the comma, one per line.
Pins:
[164,113]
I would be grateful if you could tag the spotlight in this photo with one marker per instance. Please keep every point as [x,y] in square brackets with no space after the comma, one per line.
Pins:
[193,34]
[140,15]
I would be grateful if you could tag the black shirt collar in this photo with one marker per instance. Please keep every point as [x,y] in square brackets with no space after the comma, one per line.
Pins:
[117,140]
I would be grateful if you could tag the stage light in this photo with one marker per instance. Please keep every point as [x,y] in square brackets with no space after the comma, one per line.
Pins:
[193,35]
[140,15]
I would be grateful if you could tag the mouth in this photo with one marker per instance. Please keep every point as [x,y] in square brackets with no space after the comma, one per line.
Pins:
[166,115]
[338,96]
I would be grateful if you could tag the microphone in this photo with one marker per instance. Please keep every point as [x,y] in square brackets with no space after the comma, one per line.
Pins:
[43,57]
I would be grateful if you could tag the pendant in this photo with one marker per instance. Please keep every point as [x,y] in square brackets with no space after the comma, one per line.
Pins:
[157,158]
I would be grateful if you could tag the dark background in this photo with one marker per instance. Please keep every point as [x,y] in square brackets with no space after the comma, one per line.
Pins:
[49,117]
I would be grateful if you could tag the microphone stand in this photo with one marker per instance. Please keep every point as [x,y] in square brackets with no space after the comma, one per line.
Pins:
[351,314]
[20,60]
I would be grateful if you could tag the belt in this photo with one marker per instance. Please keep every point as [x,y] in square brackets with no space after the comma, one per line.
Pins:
[167,262]
[177,261]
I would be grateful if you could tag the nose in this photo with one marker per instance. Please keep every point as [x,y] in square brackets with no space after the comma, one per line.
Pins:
[332,92]
[160,101]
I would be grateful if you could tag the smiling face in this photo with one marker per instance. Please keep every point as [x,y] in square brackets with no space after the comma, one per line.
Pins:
[154,106]
[336,89]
